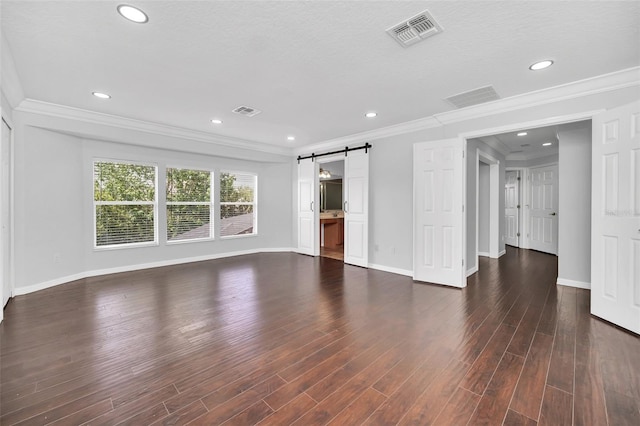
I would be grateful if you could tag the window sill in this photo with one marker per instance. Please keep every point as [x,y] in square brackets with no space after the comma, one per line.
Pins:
[233,237]
[193,240]
[125,246]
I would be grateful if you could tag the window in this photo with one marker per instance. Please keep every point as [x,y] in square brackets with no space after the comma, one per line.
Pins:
[125,203]
[237,204]
[189,204]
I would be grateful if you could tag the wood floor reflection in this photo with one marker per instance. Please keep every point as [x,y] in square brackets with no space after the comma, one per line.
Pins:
[281,338]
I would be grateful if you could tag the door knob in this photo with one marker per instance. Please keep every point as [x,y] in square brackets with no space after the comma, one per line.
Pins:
[552,214]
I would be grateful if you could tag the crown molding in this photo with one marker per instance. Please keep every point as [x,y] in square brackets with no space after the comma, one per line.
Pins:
[92,117]
[496,144]
[383,132]
[576,89]
[625,78]
[11,86]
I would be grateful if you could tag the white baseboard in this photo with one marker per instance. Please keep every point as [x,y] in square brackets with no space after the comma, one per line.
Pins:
[18,291]
[573,283]
[472,271]
[484,254]
[502,253]
[393,270]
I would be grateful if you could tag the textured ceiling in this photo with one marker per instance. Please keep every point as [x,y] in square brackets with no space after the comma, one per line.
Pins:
[313,67]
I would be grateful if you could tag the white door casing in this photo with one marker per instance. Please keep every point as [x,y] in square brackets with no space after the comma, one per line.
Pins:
[543,209]
[308,206]
[5,260]
[615,217]
[356,208]
[511,208]
[438,191]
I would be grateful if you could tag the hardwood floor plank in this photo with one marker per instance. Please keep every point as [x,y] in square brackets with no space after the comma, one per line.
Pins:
[290,412]
[516,419]
[459,409]
[360,409]
[183,416]
[482,370]
[251,415]
[556,408]
[219,413]
[397,405]
[527,398]
[428,405]
[562,367]
[588,399]
[493,405]
[85,414]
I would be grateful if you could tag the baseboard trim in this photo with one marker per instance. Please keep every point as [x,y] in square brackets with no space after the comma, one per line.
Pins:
[484,254]
[19,291]
[472,271]
[572,283]
[502,253]
[391,269]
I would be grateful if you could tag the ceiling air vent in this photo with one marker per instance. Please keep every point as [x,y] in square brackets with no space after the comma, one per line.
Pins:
[247,111]
[414,29]
[473,97]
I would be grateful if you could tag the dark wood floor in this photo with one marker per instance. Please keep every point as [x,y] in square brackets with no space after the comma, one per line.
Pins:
[280,338]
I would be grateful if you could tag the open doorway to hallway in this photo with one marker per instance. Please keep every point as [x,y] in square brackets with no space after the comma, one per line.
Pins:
[545,180]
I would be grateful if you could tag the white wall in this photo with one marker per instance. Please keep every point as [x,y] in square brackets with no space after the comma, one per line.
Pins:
[574,226]
[484,193]
[54,209]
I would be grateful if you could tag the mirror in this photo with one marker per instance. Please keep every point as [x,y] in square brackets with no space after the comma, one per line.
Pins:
[331,194]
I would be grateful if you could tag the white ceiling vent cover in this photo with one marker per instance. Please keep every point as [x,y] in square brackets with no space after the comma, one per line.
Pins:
[247,111]
[414,29]
[473,97]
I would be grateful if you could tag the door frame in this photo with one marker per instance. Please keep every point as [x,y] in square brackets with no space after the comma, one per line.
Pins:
[494,203]
[11,226]
[521,193]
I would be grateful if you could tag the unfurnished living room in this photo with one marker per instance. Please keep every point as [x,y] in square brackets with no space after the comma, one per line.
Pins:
[320,212]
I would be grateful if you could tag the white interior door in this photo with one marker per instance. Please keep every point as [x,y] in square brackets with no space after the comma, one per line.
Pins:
[511,208]
[438,179]
[308,219]
[543,209]
[356,208]
[4,214]
[615,217]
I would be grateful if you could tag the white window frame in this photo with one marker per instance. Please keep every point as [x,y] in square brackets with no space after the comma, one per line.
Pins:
[96,247]
[210,203]
[254,204]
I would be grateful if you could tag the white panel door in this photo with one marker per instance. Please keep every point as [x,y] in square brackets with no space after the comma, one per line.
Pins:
[356,208]
[511,208]
[438,230]
[308,219]
[5,246]
[615,217]
[543,209]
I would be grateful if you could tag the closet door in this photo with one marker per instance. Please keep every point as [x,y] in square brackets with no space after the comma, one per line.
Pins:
[308,218]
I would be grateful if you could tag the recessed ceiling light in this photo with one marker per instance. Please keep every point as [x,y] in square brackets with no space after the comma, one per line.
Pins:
[101,95]
[216,121]
[291,138]
[541,65]
[546,144]
[522,134]
[371,114]
[133,14]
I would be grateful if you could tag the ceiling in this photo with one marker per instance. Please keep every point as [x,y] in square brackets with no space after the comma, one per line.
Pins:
[525,147]
[313,68]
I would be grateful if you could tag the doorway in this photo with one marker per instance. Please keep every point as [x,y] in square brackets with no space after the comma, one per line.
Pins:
[331,215]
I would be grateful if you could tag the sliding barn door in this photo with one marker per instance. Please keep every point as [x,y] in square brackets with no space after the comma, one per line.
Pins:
[308,219]
[356,208]
[615,217]
[438,212]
